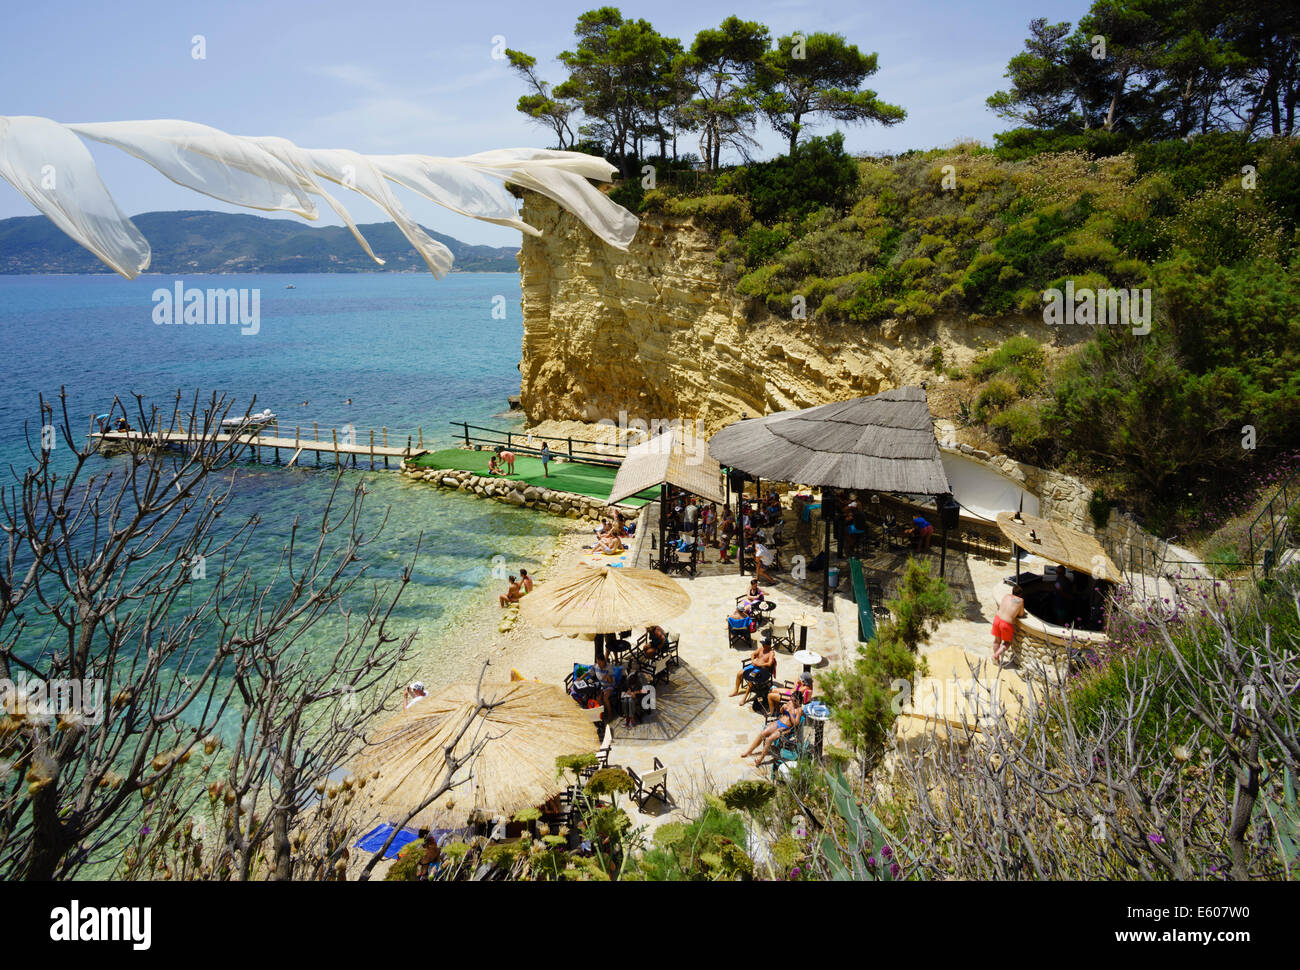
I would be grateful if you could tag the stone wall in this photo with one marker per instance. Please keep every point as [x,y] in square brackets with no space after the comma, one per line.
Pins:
[511,492]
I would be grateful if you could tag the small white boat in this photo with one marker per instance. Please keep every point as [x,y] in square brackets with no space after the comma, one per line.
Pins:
[249,422]
[290,286]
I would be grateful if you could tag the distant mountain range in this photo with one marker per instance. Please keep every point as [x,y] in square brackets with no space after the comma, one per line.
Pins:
[220,242]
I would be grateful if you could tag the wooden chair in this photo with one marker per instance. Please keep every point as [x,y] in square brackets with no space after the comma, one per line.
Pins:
[653,784]
[602,755]
[760,685]
[656,668]
[784,641]
[741,638]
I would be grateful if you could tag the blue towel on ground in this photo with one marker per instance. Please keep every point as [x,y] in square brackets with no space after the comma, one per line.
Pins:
[374,840]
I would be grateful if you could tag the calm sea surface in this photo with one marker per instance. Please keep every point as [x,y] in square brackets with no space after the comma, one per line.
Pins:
[408,350]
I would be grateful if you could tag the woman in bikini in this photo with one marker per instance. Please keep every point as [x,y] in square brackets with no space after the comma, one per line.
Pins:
[791,714]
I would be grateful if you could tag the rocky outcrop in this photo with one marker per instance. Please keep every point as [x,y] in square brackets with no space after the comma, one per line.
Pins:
[659,333]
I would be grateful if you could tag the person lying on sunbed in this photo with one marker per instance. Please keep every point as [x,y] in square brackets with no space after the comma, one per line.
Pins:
[791,714]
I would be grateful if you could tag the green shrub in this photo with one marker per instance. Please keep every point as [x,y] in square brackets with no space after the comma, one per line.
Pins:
[994,396]
[716,211]
[1099,507]
[1019,426]
[862,694]
[820,174]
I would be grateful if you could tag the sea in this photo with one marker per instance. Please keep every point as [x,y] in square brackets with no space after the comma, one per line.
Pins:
[407,351]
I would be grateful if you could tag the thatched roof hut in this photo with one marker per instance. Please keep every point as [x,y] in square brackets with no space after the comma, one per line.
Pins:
[666,459]
[881,443]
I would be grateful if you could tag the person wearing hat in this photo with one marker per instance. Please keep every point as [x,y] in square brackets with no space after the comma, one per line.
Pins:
[414,691]
[803,687]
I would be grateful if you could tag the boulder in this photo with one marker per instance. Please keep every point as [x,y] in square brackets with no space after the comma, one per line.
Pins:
[515,497]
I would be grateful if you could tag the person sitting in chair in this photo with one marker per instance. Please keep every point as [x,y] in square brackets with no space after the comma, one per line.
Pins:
[656,641]
[761,663]
[803,687]
[740,620]
[791,714]
[605,684]
[633,688]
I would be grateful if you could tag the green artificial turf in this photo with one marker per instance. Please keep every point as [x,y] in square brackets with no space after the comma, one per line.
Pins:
[595,481]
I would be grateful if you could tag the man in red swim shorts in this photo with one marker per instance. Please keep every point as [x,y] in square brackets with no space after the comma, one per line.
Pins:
[1004,624]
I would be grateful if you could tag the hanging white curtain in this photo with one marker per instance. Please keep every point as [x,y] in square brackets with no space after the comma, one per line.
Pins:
[49,165]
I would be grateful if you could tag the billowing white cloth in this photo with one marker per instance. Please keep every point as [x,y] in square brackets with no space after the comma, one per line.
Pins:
[53,169]
[49,165]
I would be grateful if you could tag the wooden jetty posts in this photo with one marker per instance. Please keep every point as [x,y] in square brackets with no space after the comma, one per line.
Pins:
[259,440]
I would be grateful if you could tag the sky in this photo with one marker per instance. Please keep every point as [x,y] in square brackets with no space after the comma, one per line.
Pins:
[385,76]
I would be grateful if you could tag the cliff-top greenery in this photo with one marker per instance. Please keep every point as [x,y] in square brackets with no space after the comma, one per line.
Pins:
[1161,157]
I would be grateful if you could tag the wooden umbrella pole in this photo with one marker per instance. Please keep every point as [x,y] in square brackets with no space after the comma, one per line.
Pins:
[663,527]
[740,523]
[826,550]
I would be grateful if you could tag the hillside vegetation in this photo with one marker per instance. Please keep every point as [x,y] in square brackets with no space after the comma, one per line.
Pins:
[1208,226]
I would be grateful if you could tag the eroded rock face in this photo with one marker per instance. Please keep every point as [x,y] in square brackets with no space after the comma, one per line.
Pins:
[659,333]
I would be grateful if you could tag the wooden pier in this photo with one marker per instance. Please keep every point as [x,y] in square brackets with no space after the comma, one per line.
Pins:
[348,448]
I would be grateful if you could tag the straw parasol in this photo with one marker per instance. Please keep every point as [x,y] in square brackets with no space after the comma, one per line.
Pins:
[599,599]
[531,725]
[1058,543]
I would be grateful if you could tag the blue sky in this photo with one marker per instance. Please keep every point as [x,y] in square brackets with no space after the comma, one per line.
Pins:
[383,76]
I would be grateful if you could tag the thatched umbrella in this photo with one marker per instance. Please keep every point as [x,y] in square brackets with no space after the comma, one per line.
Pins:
[602,599]
[529,727]
[881,443]
[1057,543]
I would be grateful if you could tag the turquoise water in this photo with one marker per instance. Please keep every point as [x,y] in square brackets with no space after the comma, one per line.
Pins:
[408,350]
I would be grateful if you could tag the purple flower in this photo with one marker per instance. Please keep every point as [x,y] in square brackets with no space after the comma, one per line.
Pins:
[145,830]
[887,852]
[795,872]
[894,870]
[871,862]
[1156,838]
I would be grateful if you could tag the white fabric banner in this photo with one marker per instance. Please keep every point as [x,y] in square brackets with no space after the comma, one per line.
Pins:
[50,166]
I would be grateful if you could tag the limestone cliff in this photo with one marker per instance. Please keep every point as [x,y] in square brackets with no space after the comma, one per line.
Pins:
[659,332]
